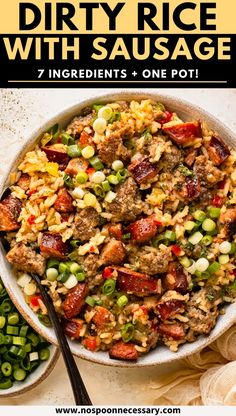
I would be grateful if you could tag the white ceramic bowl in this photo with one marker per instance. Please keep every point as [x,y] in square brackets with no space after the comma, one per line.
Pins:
[35,378]
[186,111]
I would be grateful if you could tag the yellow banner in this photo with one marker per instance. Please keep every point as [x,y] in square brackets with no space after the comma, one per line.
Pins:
[118,17]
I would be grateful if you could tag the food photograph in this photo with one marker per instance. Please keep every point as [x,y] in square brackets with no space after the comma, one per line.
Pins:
[118,247]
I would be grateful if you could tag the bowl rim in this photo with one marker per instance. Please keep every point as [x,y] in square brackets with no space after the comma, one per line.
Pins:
[31,140]
[43,374]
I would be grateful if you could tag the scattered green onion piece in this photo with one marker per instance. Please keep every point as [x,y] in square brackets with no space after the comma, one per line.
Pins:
[127,332]
[80,276]
[189,225]
[19,341]
[109,287]
[28,348]
[22,353]
[90,301]
[13,318]
[96,163]
[8,340]
[223,259]
[122,301]
[225,247]
[90,200]
[113,179]
[52,274]
[44,354]
[6,306]
[117,165]
[170,235]
[88,152]
[14,350]
[214,212]
[75,268]
[105,112]
[33,338]
[99,191]
[2,322]
[122,175]
[210,297]
[63,277]
[81,177]
[63,267]
[106,186]
[19,374]
[233,248]
[202,264]
[52,263]
[74,150]
[44,319]
[199,215]
[208,225]
[214,267]
[207,240]
[126,236]
[75,243]
[195,238]
[2,339]
[67,139]
[68,181]
[185,262]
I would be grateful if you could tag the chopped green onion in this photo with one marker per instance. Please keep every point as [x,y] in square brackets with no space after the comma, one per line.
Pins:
[184,170]
[81,177]
[6,384]
[98,177]
[19,341]
[185,262]
[67,139]
[214,212]
[189,225]
[13,318]
[90,200]
[12,330]
[63,277]
[2,322]
[88,152]
[105,112]
[170,235]
[2,339]
[52,263]
[214,267]
[52,274]
[63,267]
[99,125]
[210,297]
[75,268]
[19,374]
[121,175]
[74,150]
[208,225]
[24,330]
[127,332]
[122,301]
[96,163]
[223,259]
[75,243]
[8,339]
[21,353]
[80,276]
[195,238]
[90,301]
[225,247]
[117,165]
[113,179]
[6,369]
[68,181]
[105,186]
[199,215]
[33,338]
[97,107]
[202,264]
[126,236]
[109,287]
[14,350]
[99,191]
[44,354]
[207,240]
[233,248]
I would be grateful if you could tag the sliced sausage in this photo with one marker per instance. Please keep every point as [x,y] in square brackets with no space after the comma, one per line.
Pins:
[102,317]
[26,259]
[86,139]
[174,331]
[76,165]
[74,301]
[56,155]
[218,151]
[122,351]
[63,202]
[193,187]
[176,279]
[24,181]
[183,133]
[116,231]
[113,253]
[51,245]
[190,157]
[139,284]
[10,208]
[143,170]
[72,327]
[143,230]
[169,308]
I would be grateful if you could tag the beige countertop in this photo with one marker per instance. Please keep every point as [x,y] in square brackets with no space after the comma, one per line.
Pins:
[21,112]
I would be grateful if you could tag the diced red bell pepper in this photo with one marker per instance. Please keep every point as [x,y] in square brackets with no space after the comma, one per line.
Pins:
[217,201]
[167,116]
[107,273]
[90,343]
[92,249]
[31,219]
[34,300]
[31,192]
[176,249]
[90,171]
[183,133]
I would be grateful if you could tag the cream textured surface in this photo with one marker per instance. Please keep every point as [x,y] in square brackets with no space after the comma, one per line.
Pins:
[203,378]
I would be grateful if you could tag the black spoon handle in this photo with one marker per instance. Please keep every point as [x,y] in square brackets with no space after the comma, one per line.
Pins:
[79,390]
